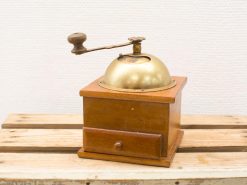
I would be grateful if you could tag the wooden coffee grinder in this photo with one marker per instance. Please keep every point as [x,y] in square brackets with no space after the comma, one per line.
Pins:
[132,113]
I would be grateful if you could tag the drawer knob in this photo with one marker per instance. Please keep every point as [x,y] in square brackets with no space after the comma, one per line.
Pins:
[118,145]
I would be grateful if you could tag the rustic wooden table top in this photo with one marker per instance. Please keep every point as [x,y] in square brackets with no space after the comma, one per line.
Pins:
[40,149]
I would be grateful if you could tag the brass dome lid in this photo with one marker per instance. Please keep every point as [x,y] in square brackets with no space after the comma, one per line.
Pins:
[134,72]
[137,73]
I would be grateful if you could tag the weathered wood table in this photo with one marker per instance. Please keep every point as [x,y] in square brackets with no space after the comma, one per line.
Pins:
[41,150]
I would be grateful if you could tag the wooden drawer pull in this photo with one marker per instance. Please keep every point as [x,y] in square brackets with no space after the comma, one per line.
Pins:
[118,145]
[123,143]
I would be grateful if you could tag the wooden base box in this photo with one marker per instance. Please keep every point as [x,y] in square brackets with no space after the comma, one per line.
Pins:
[141,128]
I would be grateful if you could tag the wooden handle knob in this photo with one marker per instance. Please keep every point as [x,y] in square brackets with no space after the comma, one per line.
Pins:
[77,39]
[118,145]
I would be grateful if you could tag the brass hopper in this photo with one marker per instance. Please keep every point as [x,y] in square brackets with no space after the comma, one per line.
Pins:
[132,72]
[132,113]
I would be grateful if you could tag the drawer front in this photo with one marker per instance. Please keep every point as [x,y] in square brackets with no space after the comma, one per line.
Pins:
[122,143]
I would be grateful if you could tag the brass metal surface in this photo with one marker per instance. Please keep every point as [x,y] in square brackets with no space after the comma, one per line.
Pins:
[137,73]
[134,72]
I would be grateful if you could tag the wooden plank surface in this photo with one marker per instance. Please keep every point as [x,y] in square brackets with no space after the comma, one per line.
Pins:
[214,140]
[44,121]
[69,166]
[214,122]
[74,121]
[70,140]
[213,151]
[211,181]
[40,140]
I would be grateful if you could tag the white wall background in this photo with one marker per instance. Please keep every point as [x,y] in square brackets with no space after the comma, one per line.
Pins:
[202,39]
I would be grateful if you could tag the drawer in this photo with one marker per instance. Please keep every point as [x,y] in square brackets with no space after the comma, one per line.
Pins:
[124,143]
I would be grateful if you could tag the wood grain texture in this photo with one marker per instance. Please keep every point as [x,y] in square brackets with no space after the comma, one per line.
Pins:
[214,122]
[162,162]
[70,167]
[165,96]
[130,116]
[174,122]
[214,140]
[44,121]
[122,115]
[190,181]
[53,167]
[134,144]
[70,140]
[74,121]
[40,140]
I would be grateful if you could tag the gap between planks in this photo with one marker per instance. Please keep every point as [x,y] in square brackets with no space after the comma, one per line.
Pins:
[43,121]
[70,140]
[75,121]
[224,152]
